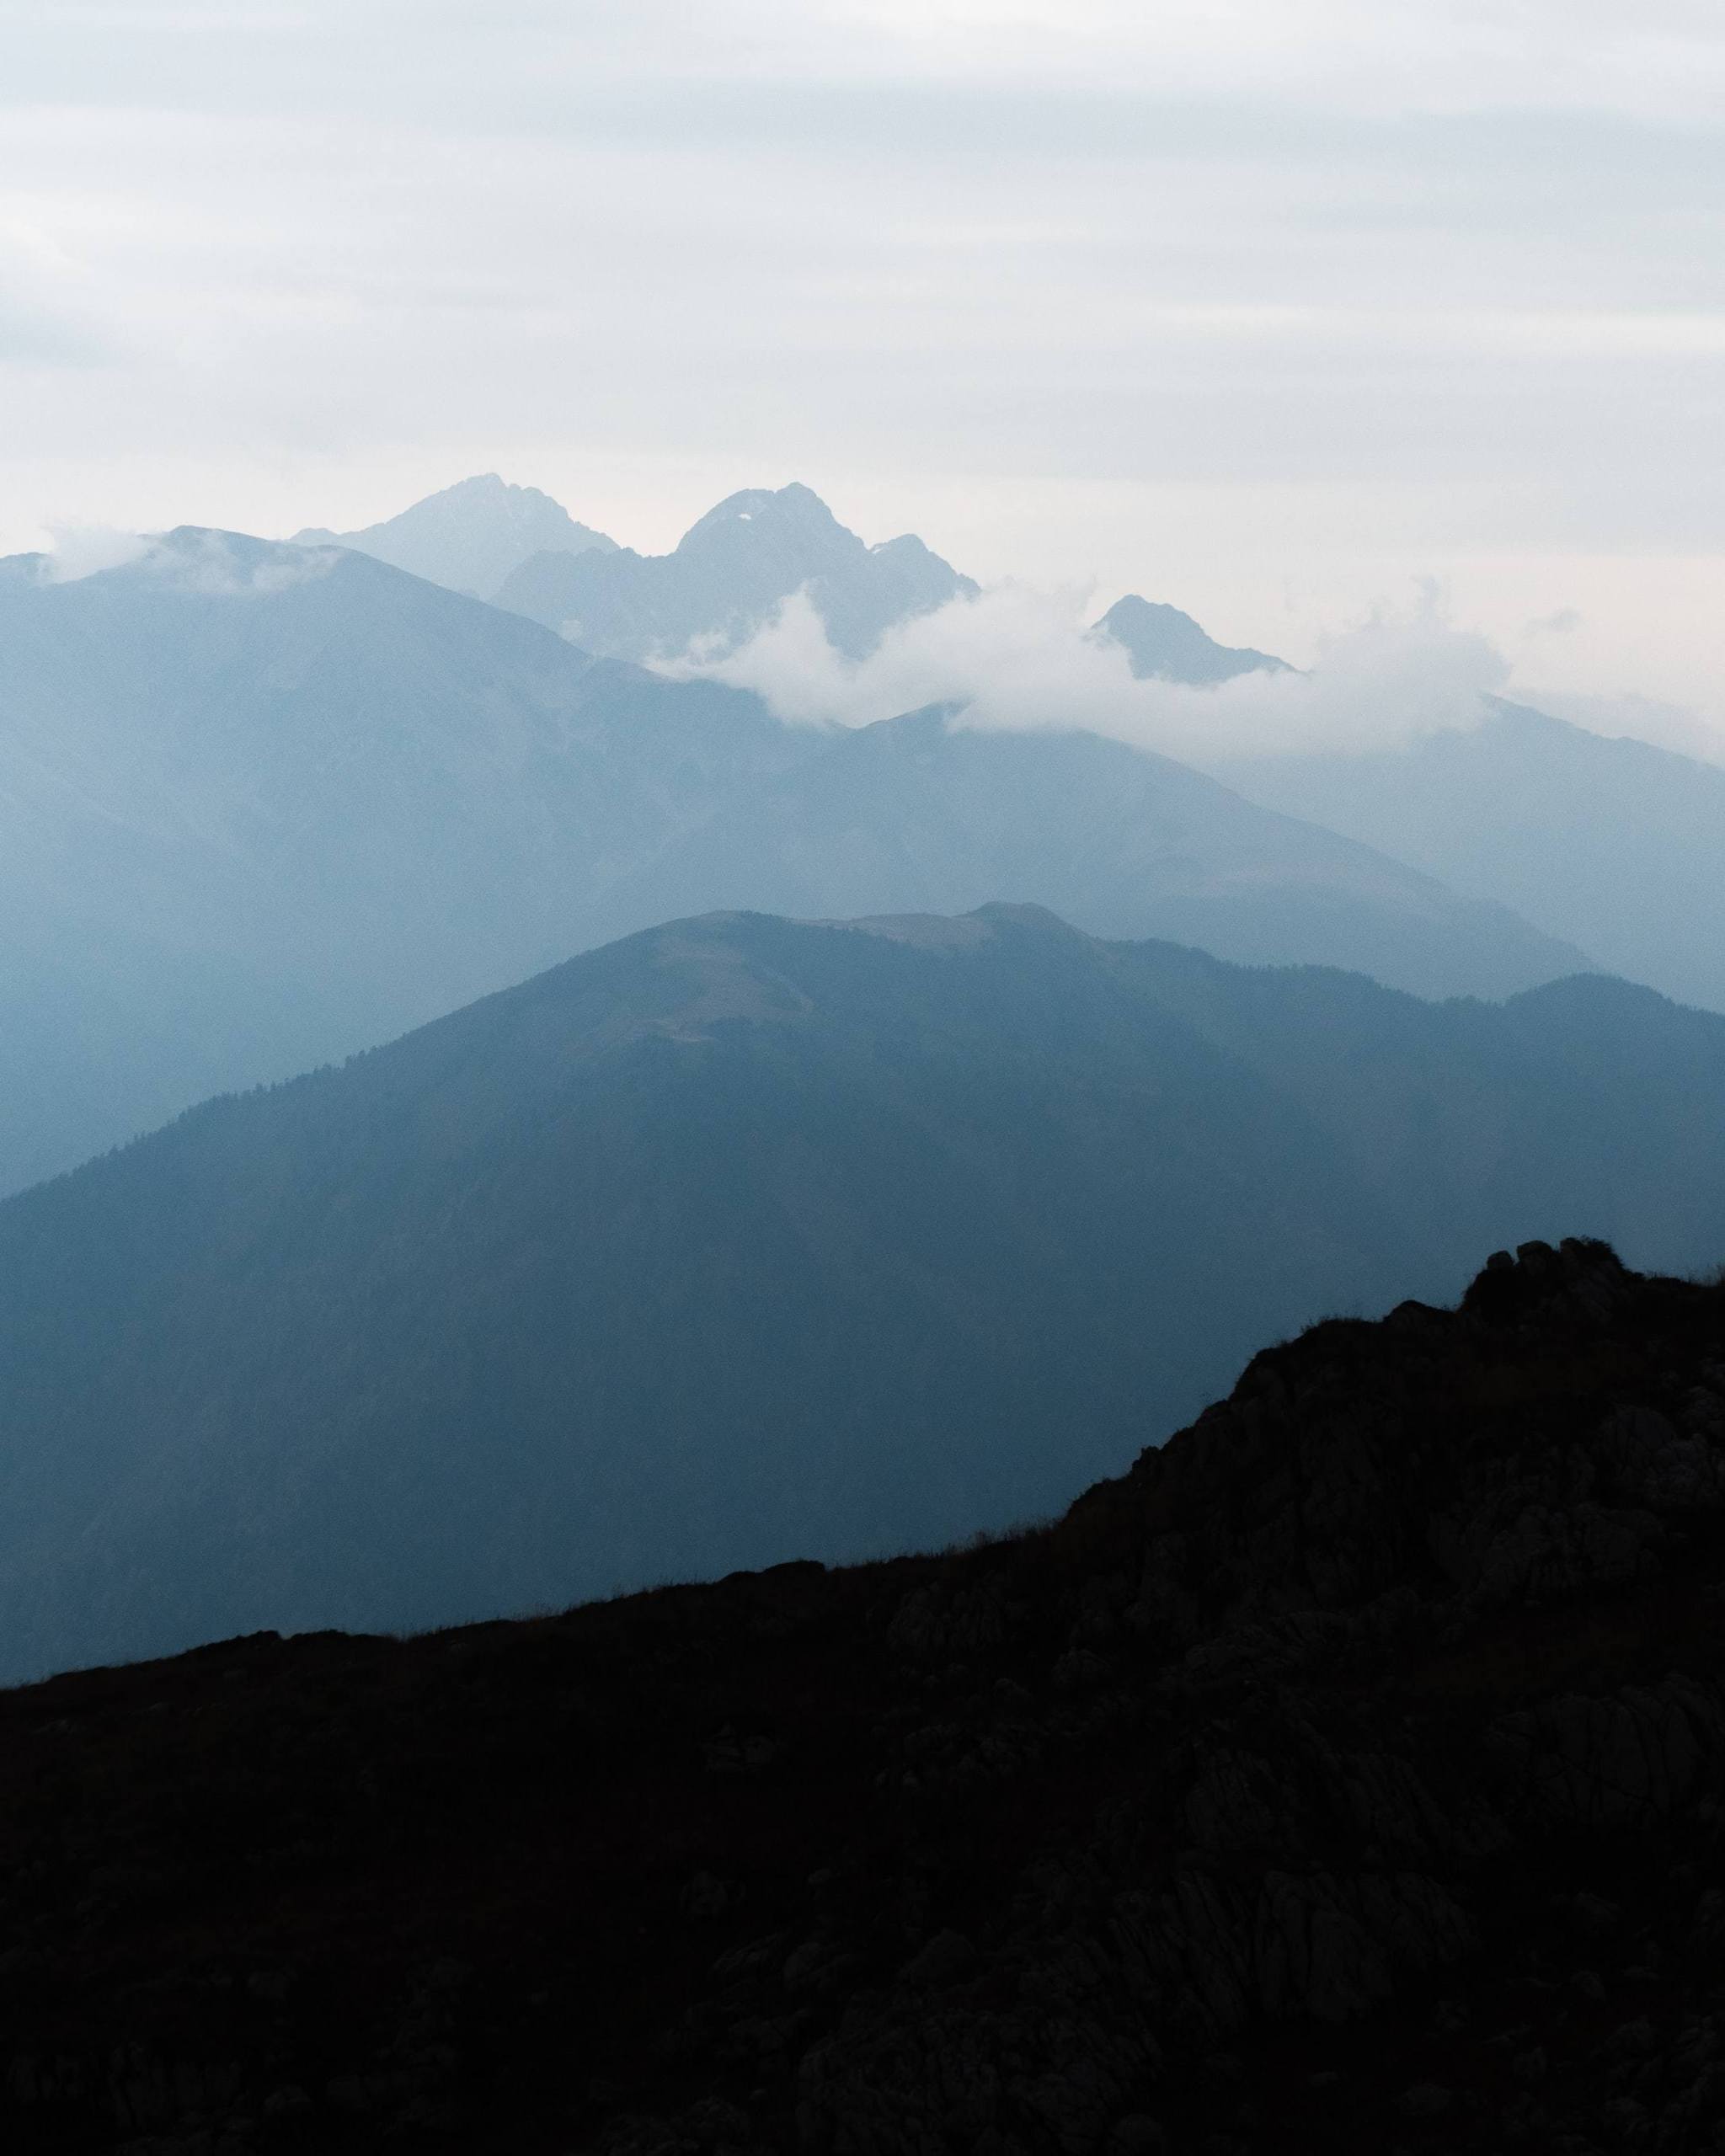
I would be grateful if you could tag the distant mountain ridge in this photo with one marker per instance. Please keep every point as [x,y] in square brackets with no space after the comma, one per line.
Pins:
[743,1240]
[266,805]
[922,812]
[1613,843]
[1167,645]
[728,574]
[470,537]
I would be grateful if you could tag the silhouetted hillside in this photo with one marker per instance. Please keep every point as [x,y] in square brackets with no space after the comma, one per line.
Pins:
[746,1240]
[1346,1777]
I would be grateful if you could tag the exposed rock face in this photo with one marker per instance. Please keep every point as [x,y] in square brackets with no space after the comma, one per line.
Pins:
[1348,1776]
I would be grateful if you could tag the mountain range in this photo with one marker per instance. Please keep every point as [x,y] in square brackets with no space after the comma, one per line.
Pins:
[267,805]
[728,574]
[471,537]
[923,813]
[744,1239]
[1339,1771]
[1615,844]
[1611,847]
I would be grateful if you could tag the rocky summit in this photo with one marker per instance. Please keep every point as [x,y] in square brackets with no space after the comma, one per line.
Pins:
[1346,1776]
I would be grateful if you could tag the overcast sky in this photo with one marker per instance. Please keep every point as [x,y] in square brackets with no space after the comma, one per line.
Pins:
[1269,308]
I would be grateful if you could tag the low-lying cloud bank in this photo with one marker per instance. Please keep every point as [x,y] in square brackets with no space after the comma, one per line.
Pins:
[207,563]
[1019,660]
[80,550]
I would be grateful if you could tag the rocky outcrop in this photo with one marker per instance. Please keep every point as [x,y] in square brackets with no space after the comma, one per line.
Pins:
[1349,1776]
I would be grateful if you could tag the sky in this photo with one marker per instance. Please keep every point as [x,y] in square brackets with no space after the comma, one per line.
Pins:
[1284,313]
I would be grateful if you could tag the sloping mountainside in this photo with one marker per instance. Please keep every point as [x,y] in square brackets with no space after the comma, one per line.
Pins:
[471,536]
[728,575]
[1345,1777]
[1615,844]
[923,813]
[746,1239]
[1162,641]
[261,807]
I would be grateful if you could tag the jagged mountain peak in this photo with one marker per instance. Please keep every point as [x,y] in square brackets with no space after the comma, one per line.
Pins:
[909,547]
[1162,643]
[754,515]
[471,536]
[484,482]
[728,575]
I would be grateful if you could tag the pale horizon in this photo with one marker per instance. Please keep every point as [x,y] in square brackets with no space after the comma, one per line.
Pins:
[1276,318]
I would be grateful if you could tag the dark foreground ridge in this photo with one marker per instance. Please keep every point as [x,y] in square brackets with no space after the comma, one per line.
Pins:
[1348,1776]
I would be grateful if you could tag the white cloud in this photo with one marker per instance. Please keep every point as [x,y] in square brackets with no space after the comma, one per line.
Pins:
[1326,292]
[215,565]
[209,564]
[1019,659]
[76,551]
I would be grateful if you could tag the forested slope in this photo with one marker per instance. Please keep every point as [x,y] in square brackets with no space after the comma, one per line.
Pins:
[744,1239]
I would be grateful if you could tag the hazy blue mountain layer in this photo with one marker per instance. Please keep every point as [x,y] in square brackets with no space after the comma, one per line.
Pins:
[728,574]
[1163,642]
[264,806]
[1615,844]
[744,1239]
[917,813]
[471,536]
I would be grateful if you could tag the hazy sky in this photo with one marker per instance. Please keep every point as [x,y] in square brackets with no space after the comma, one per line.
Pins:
[1269,308]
